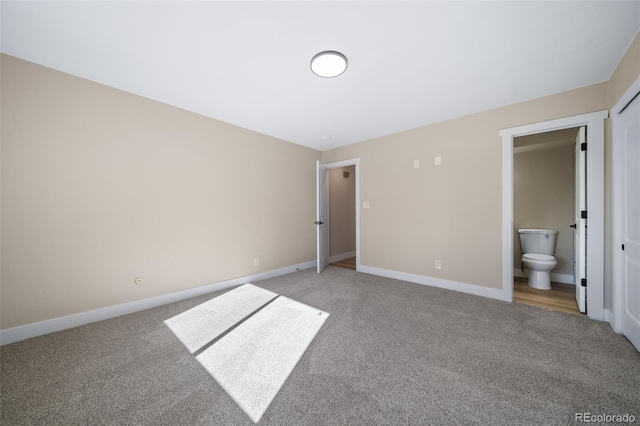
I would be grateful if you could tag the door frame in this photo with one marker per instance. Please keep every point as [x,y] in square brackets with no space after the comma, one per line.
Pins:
[350,162]
[594,123]
[580,224]
[615,320]
[322,214]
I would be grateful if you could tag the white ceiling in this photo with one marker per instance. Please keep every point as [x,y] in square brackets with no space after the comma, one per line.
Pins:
[247,63]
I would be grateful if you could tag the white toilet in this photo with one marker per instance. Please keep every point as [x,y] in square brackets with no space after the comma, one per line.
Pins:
[538,247]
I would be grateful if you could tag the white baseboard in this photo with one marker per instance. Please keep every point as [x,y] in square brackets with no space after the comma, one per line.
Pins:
[608,317]
[23,332]
[477,290]
[611,319]
[556,278]
[343,256]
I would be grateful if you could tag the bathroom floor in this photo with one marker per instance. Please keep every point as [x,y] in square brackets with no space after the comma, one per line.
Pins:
[561,297]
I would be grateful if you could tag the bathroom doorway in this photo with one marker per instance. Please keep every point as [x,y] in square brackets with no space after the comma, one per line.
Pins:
[594,126]
[544,182]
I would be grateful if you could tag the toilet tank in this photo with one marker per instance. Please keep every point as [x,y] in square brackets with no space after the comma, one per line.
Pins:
[541,241]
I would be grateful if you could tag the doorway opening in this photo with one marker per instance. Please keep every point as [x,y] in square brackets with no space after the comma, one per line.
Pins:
[545,184]
[594,127]
[342,217]
[339,203]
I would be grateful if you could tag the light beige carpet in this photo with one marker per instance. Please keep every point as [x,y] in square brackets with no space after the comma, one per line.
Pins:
[253,361]
[391,352]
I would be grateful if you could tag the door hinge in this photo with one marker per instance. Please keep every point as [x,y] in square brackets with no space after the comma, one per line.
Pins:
[583,146]
[583,214]
[583,282]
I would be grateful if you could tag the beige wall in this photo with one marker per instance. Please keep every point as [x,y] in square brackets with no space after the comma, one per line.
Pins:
[342,211]
[626,73]
[100,186]
[543,198]
[450,212]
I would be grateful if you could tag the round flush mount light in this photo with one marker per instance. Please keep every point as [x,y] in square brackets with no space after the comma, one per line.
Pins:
[328,64]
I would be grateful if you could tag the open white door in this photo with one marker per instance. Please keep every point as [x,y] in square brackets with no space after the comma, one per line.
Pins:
[322,202]
[580,224]
[630,274]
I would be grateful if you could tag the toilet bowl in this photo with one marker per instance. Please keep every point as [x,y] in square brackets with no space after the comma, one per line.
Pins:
[540,266]
[538,247]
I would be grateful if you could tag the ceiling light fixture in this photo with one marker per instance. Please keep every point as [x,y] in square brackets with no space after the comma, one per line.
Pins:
[328,64]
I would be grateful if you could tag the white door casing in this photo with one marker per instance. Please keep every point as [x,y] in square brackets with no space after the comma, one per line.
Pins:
[580,232]
[322,208]
[628,243]
[594,122]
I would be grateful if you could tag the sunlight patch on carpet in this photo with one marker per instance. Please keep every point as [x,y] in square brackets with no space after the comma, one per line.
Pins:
[253,361]
[203,323]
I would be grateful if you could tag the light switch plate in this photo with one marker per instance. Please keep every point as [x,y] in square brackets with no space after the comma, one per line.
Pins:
[365,204]
[438,160]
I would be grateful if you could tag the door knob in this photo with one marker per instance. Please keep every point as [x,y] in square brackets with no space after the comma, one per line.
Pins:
[574,226]
[318,222]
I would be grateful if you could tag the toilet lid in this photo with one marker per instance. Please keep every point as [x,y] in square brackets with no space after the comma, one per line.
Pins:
[536,256]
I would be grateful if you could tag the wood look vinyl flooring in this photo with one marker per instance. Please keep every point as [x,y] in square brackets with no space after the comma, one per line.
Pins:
[346,263]
[561,297]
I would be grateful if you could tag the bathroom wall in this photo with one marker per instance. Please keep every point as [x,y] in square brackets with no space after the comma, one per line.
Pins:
[342,213]
[543,198]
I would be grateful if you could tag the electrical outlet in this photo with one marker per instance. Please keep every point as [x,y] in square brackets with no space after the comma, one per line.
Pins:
[416,164]
[438,264]
[256,261]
